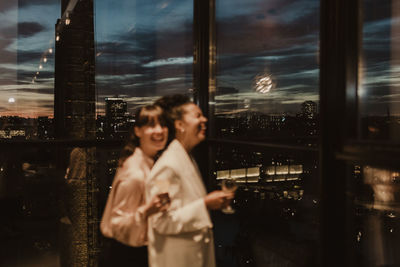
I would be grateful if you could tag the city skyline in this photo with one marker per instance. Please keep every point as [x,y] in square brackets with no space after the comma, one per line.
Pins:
[141,57]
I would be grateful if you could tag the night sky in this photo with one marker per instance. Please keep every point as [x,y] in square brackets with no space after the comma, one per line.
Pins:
[144,50]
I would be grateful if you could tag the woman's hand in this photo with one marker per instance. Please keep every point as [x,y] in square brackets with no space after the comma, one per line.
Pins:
[158,203]
[218,199]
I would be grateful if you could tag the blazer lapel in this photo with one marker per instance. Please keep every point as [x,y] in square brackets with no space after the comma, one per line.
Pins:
[189,170]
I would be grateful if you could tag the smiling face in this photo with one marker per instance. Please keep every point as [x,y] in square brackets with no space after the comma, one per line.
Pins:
[191,128]
[152,137]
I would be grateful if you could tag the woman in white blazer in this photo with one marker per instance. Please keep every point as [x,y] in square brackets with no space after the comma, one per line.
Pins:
[182,235]
[126,212]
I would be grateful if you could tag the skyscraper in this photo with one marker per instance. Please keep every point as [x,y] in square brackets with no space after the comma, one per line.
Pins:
[74,103]
[74,113]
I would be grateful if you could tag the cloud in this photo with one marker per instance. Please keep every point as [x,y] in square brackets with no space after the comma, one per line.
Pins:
[24,3]
[27,29]
[169,61]
[7,5]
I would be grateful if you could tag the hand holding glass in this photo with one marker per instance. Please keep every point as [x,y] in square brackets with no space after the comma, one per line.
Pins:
[229,186]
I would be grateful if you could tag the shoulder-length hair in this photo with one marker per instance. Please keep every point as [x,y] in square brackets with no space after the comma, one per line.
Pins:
[146,115]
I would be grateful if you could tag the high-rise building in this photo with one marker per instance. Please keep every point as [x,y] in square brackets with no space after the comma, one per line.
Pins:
[116,117]
[309,109]
[74,112]
[74,103]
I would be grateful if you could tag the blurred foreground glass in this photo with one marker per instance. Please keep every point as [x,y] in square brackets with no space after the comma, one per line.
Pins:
[228,186]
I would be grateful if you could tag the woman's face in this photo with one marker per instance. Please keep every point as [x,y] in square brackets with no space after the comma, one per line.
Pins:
[152,136]
[192,126]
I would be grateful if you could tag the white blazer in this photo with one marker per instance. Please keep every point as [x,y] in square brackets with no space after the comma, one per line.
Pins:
[182,236]
[123,217]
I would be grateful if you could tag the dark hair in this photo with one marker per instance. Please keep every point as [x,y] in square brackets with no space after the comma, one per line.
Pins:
[146,115]
[172,106]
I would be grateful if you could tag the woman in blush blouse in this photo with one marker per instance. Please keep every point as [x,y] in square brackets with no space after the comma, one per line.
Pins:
[182,235]
[126,212]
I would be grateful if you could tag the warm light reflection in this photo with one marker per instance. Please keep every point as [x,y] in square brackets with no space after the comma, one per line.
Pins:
[263,83]
[383,183]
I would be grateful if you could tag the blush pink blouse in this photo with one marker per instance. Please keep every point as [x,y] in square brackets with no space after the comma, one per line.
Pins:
[123,218]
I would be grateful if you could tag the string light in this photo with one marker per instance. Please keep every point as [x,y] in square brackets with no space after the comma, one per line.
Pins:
[45,59]
[67,19]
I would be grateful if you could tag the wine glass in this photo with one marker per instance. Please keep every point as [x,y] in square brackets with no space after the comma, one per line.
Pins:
[229,186]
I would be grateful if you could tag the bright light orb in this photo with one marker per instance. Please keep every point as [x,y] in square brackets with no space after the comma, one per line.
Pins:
[11,100]
[263,83]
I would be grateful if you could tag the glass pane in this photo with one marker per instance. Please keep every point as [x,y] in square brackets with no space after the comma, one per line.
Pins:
[52,199]
[276,219]
[267,71]
[61,59]
[27,68]
[375,205]
[73,69]
[144,50]
[379,91]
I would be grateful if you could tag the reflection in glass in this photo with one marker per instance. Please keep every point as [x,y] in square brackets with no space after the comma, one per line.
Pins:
[27,69]
[276,206]
[267,70]
[376,216]
[143,50]
[379,89]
